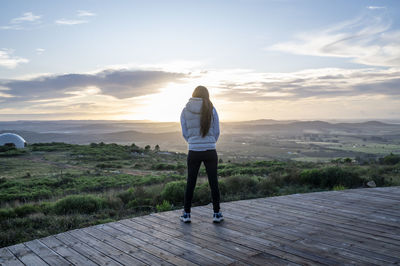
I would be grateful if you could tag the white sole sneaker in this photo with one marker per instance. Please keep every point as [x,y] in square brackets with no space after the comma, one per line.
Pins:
[185,219]
[218,219]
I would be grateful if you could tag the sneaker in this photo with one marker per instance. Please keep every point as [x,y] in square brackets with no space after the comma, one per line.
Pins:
[185,217]
[217,217]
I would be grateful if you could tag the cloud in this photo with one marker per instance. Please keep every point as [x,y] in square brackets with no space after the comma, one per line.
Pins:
[9,61]
[80,14]
[376,7]
[84,13]
[120,84]
[329,83]
[20,23]
[70,21]
[367,40]
[40,50]
[28,16]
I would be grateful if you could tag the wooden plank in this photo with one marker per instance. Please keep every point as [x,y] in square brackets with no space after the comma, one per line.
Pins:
[328,213]
[212,239]
[366,200]
[319,221]
[363,224]
[270,247]
[355,201]
[66,251]
[222,246]
[139,252]
[284,239]
[360,204]
[158,245]
[46,254]
[343,208]
[355,242]
[8,258]
[126,247]
[207,256]
[295,231]
[120,256]
[25,255]
[86,250]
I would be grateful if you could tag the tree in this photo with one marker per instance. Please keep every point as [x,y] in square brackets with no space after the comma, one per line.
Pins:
[147,147]
[347,160]
[157,148]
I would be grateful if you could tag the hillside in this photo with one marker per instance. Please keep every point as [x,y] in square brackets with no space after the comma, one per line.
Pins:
[239,141]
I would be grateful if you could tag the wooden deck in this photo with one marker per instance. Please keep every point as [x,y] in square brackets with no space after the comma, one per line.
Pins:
[360,226]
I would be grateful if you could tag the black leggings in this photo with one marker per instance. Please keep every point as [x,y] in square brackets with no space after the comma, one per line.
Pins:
[194,159]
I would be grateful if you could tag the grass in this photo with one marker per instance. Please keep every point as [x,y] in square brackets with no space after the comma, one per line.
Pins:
[371,148]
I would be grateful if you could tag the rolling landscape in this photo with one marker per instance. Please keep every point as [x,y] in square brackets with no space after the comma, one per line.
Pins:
[79,173]
[250,140]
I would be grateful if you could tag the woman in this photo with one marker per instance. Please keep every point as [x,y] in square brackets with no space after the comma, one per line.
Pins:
[200,128]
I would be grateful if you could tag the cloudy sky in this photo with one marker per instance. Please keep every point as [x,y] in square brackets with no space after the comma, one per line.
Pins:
[141,60]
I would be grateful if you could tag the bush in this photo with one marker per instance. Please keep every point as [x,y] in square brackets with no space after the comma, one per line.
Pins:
[26,209]
[163,166]
[78,204]
[164,206]
[108,165]
[202,194]
[241,185]
[7,213]
[339,187]
[174,192]
[330,177]
[126,196]
[391,159]
[267,187]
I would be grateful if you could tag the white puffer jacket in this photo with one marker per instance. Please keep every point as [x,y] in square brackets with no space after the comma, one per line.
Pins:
[190,122]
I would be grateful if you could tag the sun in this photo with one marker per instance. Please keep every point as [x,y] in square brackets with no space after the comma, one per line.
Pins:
[165,106]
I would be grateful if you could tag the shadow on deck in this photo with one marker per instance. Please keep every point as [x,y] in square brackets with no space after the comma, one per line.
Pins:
[359,226]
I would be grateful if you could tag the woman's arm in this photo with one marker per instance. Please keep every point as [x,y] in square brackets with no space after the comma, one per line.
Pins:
[185,132]
[215,124]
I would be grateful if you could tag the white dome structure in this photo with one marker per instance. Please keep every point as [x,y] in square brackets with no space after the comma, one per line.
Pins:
[12,139]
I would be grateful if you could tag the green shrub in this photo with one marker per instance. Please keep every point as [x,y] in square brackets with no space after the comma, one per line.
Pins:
[163,166]
[113,203]
[7,213]
[329,177]
[164,206]
[26,209]
[202,194]
[78,204]
[174,192]
[267,187]
[54,146]
[339,187]
[126,196]
[391,159]
[241,185]
[108,165]
[13,152]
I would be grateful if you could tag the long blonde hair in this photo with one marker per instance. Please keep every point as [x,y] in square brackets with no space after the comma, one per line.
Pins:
[206,109]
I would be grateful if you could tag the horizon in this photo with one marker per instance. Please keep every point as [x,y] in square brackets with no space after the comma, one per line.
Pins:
[260,59]
[333,121]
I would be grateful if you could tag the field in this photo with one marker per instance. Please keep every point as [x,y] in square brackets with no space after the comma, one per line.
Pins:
[53,187]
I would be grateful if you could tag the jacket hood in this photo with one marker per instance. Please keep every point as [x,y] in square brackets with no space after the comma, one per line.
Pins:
[194,105]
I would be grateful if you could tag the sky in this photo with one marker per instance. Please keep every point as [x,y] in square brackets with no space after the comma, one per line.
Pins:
[141,60]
